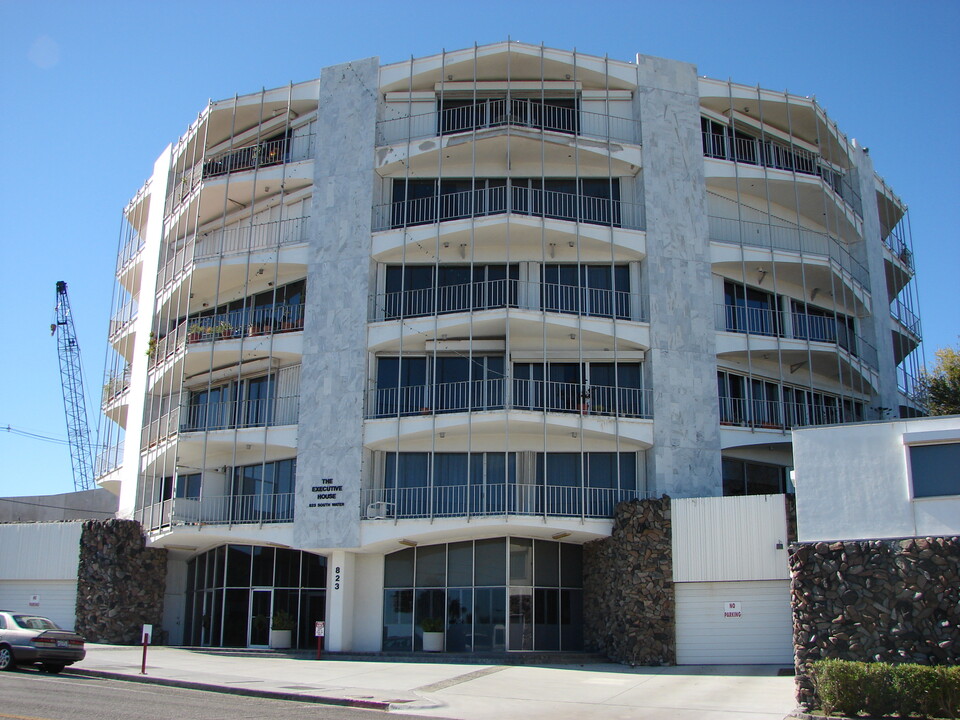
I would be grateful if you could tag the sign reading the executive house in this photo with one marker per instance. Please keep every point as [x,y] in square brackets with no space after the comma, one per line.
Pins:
[327,494]
[732,610]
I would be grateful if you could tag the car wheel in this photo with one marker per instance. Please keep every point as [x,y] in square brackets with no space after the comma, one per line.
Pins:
[52,668]
[6,658]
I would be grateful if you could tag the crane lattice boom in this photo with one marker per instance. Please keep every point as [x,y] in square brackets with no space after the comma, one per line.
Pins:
[74,404]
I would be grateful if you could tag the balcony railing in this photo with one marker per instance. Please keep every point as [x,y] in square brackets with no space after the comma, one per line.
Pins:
[265,154]
[781,156]
[491,394]
[786,236]
[504,200]
[495,294]
[116,384]
[123,317]
[234,240]
[108,460]
[161,429]
[236,414]
[779,415]
[905,316]
[130,249]
[219,510]
[249,322]
[519,112]
[483,499]
[815,328]
[899,248]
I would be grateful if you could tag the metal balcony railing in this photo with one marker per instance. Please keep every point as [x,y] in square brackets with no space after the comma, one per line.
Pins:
[780,415]
[905,316]
[519,112]
[116,384]
[219,510]
[233,240]
[484,499]
[781,235]
[508,199]
[129,250]
[815,328]
[265,154]
[123,317]
[491,394]
[248,322]
[161,429]
[108,460]
[782,156]
[235,414]
[494,294]
[900,250]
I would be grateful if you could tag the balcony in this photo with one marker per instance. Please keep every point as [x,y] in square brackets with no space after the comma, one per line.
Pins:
[781,415]
[488,499]
[265,154]
[814,328]
[233,325]
[781,235]
[237,414]
[906,317]
[219,510]
[122,320]
[237,240]
[130,250]
[491,394]
[108,459]
[506,200]
[781,156]
[498,294]
[490,113]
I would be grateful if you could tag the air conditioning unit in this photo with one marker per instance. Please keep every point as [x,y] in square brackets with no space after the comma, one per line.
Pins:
[379,510]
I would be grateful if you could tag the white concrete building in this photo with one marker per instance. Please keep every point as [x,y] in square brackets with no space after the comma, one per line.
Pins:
[391,344]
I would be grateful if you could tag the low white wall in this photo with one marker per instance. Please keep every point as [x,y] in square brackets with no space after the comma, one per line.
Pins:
[852,483]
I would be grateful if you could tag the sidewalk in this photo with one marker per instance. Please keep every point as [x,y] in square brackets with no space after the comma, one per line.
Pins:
[469,692]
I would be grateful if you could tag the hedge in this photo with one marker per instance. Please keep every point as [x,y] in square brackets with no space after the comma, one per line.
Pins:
[883,689]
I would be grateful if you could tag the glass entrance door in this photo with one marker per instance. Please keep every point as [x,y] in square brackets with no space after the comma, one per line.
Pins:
[261,601]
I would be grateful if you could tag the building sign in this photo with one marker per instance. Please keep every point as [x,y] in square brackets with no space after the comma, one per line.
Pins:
[732,610]
[34,601]
[327,494]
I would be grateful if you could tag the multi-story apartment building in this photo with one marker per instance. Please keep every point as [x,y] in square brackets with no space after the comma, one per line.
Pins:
[392,343]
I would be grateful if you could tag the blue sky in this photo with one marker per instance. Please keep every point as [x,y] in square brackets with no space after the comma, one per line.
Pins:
[93,91]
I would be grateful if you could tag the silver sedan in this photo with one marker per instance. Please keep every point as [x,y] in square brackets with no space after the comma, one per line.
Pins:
[30,639]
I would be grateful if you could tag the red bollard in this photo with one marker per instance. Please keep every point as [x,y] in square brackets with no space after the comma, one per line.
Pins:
[143,665]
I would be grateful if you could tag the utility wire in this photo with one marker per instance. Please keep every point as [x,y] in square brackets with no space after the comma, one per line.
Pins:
[58,507]
[39,436]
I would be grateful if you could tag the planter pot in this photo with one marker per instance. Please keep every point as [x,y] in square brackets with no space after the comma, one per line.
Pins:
[433,642]
[281,639]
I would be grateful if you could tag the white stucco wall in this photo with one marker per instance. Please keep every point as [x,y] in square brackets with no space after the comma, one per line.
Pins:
[852,481]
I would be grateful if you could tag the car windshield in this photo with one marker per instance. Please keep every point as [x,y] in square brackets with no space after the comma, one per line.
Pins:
[34,622]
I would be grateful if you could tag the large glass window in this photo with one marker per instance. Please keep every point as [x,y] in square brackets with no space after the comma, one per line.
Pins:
[466,114]
[749,310]
[417,290]
[493,594]
[741,477]
[233,592]
[933,469]
[600,290]
[597,388]
[446,383]
[264,492]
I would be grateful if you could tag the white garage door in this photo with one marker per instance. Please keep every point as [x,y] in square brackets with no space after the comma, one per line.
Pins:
[55,599]
[732,623]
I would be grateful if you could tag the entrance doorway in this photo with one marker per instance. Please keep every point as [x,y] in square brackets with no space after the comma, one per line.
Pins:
[261,611]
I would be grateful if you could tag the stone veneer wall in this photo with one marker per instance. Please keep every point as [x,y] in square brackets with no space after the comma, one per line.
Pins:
[120,583]
[628,597]
[875,600]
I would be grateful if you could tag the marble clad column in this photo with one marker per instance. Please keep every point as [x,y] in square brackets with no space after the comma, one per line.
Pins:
[333,380]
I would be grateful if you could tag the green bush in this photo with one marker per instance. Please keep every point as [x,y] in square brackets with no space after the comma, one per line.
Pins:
[882,689]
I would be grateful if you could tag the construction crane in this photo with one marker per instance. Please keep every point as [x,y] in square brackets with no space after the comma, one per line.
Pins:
[74,404]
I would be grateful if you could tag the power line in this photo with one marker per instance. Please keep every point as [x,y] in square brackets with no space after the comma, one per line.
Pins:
[58,507]
[38,436]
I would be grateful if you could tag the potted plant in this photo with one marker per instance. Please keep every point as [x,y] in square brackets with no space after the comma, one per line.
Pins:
[281,630]
[223,329]
[432,634]
[195,332]
[152,345]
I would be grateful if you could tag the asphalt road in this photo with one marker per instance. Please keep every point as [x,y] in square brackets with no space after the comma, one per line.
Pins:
[28,694]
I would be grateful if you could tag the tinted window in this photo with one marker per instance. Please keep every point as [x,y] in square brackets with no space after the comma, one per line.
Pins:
[934,469]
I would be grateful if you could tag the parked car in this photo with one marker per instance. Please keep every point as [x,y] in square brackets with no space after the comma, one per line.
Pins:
[27,639]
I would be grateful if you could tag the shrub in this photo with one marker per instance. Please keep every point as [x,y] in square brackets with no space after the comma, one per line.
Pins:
[882,689]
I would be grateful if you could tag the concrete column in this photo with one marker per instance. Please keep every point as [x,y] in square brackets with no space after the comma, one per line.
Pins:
[146,303]
[685,458]
[341,581]
[875,328]
[334,370]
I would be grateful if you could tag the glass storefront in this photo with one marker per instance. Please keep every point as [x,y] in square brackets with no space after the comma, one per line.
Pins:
[490,595]
[233,591]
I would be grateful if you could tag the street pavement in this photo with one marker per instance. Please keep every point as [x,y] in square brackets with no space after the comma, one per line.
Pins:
[592,691]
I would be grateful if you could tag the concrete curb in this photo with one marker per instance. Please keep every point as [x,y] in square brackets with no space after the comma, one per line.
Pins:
[233,690]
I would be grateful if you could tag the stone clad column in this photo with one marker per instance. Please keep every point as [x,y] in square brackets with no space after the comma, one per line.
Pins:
[333,380]
[685,458]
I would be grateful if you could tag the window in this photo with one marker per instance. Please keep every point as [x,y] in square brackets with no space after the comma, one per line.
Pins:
[466,114]
[935,469]
[417,290]
[748,310]
[446,383]
[599,290]
[749,478]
